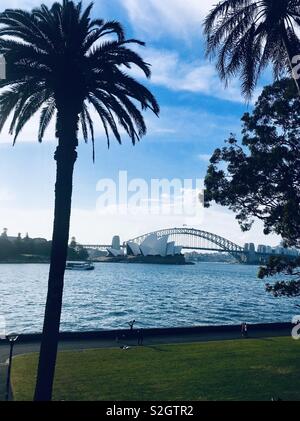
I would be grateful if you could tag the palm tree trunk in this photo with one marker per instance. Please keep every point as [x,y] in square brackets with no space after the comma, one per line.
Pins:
[65,157]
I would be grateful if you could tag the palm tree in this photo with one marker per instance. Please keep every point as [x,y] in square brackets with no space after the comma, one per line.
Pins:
[61,62]
[248,35]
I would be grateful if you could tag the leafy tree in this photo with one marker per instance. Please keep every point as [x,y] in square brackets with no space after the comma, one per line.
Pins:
[4,233]
[60,60]
[82,253]
[18,244]
[77,251]
[279,265]
[260,178]
[7,248]
[43,249]
[73,243]
[248,35]
[17,248]
[72,249]
[28,246]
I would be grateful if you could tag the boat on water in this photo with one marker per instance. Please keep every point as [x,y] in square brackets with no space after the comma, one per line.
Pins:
[80,266]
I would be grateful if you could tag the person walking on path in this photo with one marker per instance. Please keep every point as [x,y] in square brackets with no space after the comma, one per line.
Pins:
[140,337]
[244,330]
[131,324]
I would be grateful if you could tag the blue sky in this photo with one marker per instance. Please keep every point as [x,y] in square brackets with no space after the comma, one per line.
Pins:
[197,114]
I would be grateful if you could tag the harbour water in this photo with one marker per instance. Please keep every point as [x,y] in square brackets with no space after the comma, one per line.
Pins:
[153,295]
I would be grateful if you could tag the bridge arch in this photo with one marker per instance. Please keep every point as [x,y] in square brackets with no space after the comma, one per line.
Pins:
[190,238]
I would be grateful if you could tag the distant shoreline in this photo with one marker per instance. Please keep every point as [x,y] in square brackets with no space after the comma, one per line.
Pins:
[115,261]
[24,262]
[28,262]
[47,262]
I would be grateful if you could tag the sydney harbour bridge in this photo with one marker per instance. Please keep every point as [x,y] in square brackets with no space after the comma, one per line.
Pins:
[193,239]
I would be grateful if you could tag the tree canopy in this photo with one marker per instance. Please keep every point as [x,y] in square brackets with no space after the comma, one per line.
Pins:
[259,176]
[247,36]
[18,249]
[60,59]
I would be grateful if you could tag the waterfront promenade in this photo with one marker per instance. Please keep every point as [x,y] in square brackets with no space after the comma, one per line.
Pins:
[152,337]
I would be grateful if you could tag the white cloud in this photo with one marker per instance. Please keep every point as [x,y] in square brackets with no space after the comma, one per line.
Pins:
[178,124]
[6,195]
[197,76]
[174,124]
[177,17]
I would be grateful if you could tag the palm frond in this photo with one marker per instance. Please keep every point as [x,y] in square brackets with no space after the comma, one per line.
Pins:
[32,105]
[111,27]
[91,128]
[248,35]
[46,116]
[59,59]
[8,101]
[84,126]
[106,117]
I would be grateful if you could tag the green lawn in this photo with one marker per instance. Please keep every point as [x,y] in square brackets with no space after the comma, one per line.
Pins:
[231,370]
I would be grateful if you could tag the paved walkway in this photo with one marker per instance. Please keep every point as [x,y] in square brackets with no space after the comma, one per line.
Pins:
[25,348]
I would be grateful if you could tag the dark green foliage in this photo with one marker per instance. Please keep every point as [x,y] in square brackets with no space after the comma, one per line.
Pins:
[277,266]
[7,249]
[260,178]
[248,35]
[77,252]
[29,249]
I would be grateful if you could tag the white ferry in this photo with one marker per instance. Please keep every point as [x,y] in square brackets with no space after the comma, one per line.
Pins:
[80,266]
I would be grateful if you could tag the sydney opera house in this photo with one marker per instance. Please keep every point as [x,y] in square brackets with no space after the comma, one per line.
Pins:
[152,247]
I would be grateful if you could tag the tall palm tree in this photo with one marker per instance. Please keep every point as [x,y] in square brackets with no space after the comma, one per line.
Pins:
[248,35]
[60,61]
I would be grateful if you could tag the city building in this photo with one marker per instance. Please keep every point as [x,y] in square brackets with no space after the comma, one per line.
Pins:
[115,250]
[277,251]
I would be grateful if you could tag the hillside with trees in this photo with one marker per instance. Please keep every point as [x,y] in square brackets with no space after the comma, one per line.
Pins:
[34,250]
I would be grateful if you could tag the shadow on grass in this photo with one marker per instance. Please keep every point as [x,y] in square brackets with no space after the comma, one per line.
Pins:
[156,348]
[261,339]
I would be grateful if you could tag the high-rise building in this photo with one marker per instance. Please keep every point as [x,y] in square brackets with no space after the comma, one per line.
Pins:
[116,243]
